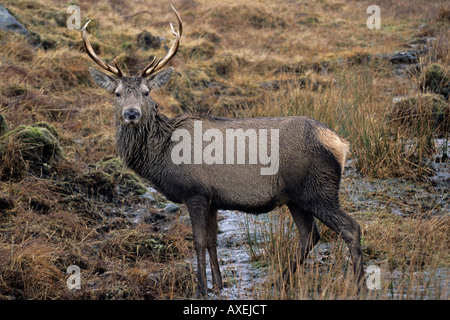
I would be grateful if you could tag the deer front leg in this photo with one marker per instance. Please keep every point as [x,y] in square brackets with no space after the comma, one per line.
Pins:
[198,212]
[211,244]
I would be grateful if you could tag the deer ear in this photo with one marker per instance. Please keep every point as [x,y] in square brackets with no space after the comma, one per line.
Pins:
[160,79]
[103,80]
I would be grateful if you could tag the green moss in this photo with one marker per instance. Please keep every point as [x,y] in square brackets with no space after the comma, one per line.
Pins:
[111,165]
[127,181]
[36,136]
[437,79]
[310,21]
[32,149]
[38,143]
[12,132]
[96,183]
[132,184]
[47,126]
[41,147]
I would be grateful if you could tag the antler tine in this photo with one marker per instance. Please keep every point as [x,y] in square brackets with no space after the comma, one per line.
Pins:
[120,74]
[157,64]
[90,51]
[180,24]
[151,64]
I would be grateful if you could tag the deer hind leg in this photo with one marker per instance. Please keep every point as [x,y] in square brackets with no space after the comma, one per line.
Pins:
[198,212]
[309,236]
[211,245]
[345,226]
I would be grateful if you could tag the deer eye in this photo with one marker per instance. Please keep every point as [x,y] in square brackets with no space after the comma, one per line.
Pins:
[146,93]
[117,94]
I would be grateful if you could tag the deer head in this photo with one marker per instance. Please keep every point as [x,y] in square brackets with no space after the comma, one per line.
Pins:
[133,102]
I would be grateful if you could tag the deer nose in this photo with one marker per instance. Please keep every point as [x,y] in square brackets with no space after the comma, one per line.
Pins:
[131,114]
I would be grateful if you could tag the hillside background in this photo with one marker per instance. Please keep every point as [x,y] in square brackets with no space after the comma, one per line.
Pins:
[65,199]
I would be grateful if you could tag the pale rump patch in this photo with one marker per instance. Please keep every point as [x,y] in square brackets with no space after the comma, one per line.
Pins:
[335,144]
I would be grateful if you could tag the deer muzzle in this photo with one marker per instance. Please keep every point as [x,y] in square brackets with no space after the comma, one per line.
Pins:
[131,115]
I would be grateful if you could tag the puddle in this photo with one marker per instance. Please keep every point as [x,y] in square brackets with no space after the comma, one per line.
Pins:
[441,165]
[398,196]
[239,274]
[427,285]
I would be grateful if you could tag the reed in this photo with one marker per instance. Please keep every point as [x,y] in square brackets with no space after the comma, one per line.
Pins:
[411,255]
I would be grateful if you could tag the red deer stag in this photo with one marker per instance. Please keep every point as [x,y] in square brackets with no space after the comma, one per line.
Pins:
[307,160]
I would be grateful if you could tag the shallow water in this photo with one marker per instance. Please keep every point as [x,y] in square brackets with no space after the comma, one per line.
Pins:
[239,274]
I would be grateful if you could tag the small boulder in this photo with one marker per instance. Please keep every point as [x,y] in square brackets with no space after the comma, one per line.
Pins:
[146,40]
[148,196]
[9,23]
[406,57]
[171,208]
[29,149]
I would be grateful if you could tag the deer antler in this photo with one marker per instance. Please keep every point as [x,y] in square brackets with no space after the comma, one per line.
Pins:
[87,45]
[156,64]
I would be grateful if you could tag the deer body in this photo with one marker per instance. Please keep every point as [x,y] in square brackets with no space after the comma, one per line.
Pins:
[309,162]
[229,186]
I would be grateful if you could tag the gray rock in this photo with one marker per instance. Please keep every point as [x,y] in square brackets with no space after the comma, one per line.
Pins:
[9,23]
[184,219]
[148,196]
[171,208]
[404,57]
[146,41]
[152,190]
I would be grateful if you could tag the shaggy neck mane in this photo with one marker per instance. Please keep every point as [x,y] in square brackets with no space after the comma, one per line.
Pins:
[140,146]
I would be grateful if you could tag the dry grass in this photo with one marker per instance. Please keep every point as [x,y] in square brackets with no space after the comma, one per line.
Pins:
[237,58]
[43,233]
[412,255]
